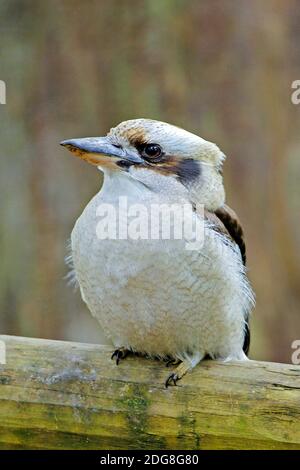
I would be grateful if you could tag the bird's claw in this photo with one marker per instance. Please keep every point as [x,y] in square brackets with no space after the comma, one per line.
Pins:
[119,354]
[172,380]
[178,373]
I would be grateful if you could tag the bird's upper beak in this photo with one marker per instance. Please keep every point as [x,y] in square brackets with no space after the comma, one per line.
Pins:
[100,151]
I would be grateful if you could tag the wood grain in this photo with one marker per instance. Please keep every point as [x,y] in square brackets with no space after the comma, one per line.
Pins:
[60,395]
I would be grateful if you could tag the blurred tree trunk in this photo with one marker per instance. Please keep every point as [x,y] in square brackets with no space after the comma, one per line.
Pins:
[220,69]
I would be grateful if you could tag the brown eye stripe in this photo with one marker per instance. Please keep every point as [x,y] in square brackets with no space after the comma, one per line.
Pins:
[186,169]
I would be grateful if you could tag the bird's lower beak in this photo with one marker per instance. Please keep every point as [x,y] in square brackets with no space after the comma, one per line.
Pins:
[100,151]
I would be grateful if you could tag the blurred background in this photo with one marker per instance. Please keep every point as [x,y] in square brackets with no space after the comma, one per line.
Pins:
[221,69]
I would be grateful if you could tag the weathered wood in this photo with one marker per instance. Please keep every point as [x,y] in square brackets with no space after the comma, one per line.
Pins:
[59,395]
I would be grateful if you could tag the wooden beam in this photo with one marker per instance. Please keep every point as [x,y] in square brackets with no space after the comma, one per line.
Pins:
[60,395]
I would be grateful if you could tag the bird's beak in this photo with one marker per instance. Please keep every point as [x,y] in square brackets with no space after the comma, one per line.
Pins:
[100,151]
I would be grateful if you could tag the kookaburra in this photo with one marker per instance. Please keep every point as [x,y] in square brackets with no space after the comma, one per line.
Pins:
[154,296]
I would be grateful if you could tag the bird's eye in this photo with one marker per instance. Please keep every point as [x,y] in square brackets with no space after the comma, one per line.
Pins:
[152,151]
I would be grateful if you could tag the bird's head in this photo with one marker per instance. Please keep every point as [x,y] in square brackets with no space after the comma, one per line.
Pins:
[150,151]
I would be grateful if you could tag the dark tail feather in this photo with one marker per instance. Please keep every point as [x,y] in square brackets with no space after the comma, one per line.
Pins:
[246,345]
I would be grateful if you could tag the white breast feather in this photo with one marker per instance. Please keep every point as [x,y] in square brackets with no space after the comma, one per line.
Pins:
[155,296]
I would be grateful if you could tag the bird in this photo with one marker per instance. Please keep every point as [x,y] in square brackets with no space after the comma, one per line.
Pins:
[155,297]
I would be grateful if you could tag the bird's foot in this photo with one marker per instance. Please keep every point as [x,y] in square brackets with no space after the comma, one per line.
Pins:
[178,373]
[119,354]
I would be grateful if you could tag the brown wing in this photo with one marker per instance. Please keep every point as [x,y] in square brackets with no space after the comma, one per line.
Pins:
[226,221]
[231,222]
